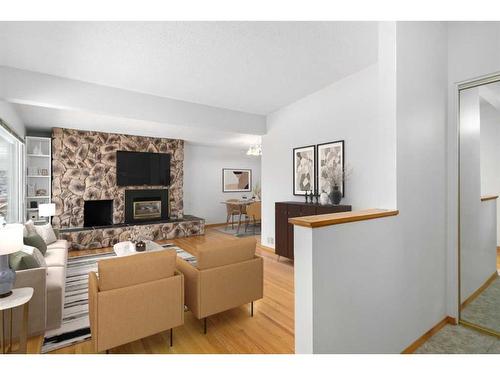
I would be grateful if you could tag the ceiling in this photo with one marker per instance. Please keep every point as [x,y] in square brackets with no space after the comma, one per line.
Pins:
[255,67]
[42,119]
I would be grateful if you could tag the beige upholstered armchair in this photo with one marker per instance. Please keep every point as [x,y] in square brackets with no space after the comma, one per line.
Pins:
[228,274]
[134,297]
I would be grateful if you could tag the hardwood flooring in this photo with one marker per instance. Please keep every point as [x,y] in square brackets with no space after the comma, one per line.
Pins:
[271,330]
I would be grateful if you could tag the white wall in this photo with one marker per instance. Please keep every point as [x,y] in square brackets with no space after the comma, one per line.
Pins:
[421,172]
[490,153]
[203,179]
[347,110]
[380,285]
[473,51]
[11,118]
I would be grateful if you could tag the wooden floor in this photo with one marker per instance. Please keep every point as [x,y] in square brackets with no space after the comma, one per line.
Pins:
[271,330]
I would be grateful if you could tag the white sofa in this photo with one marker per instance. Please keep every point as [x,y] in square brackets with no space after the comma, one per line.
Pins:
[46,306]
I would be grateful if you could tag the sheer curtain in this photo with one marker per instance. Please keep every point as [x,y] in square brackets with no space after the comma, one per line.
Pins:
[11,177]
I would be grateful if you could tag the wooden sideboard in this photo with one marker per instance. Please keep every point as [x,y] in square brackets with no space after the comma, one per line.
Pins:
[287,210]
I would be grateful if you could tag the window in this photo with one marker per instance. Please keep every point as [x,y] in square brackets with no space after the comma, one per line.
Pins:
[11,176]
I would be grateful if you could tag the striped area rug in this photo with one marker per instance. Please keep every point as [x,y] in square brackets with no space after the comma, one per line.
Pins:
[75,326]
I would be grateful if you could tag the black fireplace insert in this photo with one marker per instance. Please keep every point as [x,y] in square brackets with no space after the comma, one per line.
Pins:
[146,205]
[98,213]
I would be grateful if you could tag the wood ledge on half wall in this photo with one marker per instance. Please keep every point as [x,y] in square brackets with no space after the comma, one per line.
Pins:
[317,221]
[488,197]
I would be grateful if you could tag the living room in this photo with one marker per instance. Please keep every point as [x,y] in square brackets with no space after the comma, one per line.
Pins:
[247,187]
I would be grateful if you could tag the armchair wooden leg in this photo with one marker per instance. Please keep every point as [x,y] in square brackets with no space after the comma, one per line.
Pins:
[205,326]
[171,337]
[107,351]
[251,309]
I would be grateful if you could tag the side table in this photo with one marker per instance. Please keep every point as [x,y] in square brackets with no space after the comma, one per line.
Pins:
[19,297]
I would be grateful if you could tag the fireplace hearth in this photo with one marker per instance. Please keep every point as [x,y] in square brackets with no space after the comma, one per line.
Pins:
[146,205]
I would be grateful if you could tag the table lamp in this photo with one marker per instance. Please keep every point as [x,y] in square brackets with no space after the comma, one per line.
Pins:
[47,210]
[11,241]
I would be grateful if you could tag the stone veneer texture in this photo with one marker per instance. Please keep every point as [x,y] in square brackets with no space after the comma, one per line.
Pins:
[84,168]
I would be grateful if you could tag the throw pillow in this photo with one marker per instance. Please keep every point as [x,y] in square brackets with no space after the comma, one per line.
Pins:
[29,228]
[36,241]
[33,251]
[22,260]
[46,232]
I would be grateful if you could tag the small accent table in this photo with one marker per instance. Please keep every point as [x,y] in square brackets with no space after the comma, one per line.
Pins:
[126,248]
[19,297]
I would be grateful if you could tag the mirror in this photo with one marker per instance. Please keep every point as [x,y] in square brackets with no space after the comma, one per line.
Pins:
[479,166]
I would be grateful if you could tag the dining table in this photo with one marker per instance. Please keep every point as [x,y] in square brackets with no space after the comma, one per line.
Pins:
[241,203]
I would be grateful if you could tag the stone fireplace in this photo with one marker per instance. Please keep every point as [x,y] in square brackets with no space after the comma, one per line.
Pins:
[86,193]
[84,169]
[146,205]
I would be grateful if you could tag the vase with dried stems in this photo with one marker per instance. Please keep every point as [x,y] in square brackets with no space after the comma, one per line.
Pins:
[338,178]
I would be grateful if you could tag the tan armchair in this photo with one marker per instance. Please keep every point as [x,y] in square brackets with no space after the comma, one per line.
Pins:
[228,274]
[134,297]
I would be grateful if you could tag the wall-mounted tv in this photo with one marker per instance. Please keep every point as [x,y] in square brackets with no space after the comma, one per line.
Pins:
[142,168]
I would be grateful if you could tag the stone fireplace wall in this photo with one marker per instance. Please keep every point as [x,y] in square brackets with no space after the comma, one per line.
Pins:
[84,168]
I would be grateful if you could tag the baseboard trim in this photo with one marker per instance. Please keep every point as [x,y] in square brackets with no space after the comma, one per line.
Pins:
[481,289]
[224,224]
[427,335]
[215,225]
[266,248]
[479,328]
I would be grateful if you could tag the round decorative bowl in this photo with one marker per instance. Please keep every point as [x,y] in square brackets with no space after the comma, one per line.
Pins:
[140,246]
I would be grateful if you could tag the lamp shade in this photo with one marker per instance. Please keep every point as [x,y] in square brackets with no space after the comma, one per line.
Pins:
[11,239]
[46,209]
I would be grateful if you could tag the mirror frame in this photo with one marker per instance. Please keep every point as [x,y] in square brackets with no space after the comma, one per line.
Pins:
[464,85]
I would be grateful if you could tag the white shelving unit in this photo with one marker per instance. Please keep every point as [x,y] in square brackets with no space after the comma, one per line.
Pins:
[38,175]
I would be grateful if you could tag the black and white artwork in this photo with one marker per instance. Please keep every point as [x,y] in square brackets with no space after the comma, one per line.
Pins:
[304,176]
[331,167]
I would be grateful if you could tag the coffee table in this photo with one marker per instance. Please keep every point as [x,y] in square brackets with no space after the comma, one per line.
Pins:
[127,248]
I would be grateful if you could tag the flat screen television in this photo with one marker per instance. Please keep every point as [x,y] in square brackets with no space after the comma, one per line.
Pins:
[142,168]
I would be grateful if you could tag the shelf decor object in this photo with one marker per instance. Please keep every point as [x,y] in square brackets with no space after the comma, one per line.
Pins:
[38,176]
[11,241]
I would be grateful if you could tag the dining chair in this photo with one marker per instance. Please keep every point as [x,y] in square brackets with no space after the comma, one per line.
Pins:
[253,212]
[233,209]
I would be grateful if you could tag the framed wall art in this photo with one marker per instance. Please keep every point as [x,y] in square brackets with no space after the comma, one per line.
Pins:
[304,170]
[236,180]
[331,167]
